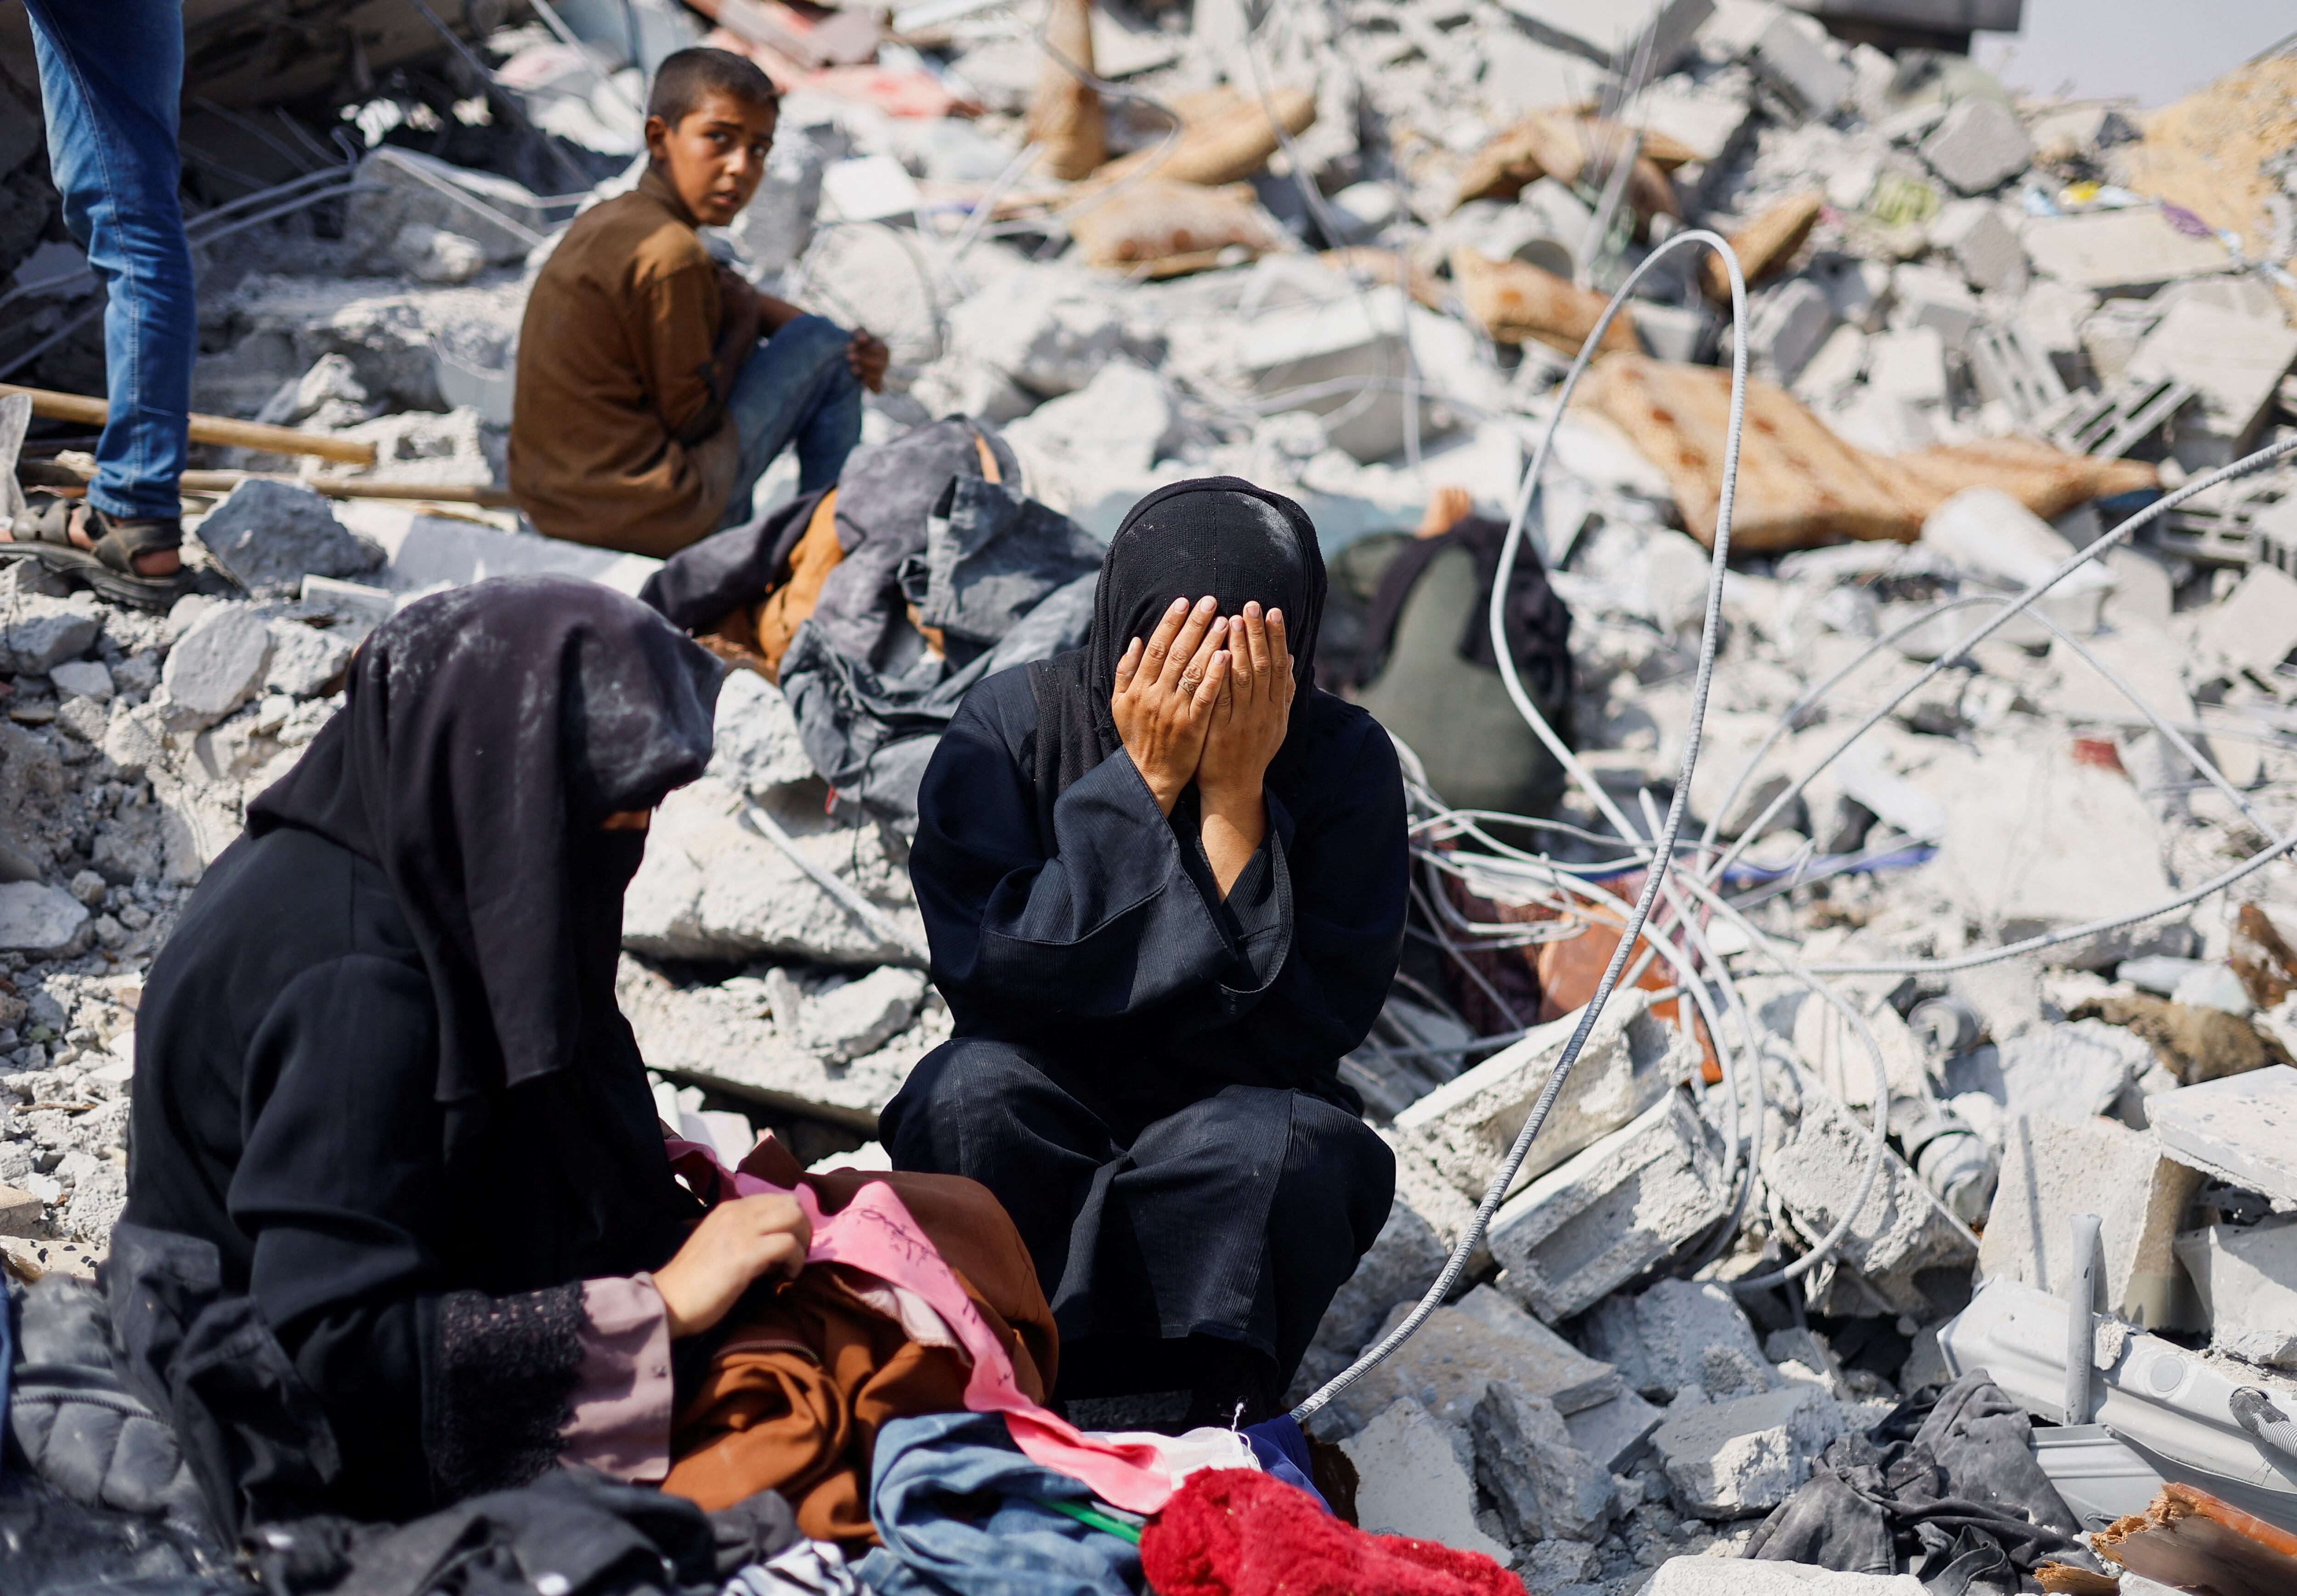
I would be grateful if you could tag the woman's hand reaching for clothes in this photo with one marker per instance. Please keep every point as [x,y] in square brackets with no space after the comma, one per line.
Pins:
[737,1243]
[1166,691]
[1244,731]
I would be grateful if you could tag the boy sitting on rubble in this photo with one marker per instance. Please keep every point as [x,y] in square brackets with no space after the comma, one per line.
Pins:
[648,406]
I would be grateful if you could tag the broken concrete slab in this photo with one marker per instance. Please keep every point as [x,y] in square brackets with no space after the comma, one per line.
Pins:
[2242,1129]
[1588,1227]
[849,1019]
[755,746]
[2235,361]
[1048,329]
[1727,1460]
[82,678]
[1978,145]
[1607,35]
[2132,248]
[1463,1348]
[269,535]
[2071,1071]
[1787,326]
[1799,60]
[217,665]
[2256,627]
[1412,1481]
[305,659]
[1542,1485]
[1467,1125]
[2052,1169]
[1731,1576]
[1613,1432]
[45,922]
[1403,1261]
[1692,1338]
[38,632]
[1982,243]
[2245,1277]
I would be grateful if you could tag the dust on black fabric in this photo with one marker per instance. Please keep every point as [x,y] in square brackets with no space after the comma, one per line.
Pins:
[1945,1487]
[1536,619]
[1210,535]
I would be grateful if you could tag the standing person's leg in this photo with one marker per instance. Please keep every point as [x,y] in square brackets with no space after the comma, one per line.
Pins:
[798,390]
[112,78]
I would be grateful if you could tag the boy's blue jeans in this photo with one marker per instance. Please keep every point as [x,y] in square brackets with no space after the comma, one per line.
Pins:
[112,76]
[796,390]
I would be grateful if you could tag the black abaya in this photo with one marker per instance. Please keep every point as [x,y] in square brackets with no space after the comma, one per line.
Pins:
[380,1070]
[1143,1071]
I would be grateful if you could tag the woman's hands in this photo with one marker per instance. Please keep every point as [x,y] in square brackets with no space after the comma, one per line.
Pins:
[1165,696]
[1246,727]
[737,1243]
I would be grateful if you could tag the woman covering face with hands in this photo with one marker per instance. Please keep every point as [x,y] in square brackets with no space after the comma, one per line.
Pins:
[1164,878]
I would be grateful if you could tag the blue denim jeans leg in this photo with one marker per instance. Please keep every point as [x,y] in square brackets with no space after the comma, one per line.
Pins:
[796,390]
[111,76]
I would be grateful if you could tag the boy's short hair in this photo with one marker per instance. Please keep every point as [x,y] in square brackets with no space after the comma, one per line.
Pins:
[683,78]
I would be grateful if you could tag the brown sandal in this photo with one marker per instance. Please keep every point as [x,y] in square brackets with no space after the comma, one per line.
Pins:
[43,532]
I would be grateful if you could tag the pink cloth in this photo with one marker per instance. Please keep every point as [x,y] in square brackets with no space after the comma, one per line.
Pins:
[623,1396]
[874,1233]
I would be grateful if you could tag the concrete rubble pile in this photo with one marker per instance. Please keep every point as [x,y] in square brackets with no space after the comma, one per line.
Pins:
[1349,252]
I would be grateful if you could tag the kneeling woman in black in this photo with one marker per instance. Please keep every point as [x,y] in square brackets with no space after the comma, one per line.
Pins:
[1165,879]
[387,1117]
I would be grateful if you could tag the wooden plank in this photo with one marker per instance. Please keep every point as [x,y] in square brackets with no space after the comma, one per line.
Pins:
[90,411]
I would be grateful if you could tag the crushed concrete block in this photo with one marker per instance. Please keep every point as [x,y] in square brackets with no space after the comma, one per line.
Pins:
[1694,1337]
[2052,1169]
[2234,361]
[2046,842]
[1587,1227]
[82,678]
[1608,35]
[756,747]
[2242,1129]
[270,534]
[1046,329]
[1613,1432]
[1788,325]
[857,1017]
[1411,1480]
[432,254]
[711,888]
[19,1211]
[1463,1347]
[1726,1459]
[1812,1164]
[38,632]
[304,659]
[1733,1576]
[1467,1125]
[2071,1072]
[1804,68]
[1542,1485]
[216,666]
[2245,1277]
[2255,628]
[1705,118]
[1835,366]
[2133,249]
[1837,1053]
[1982,242]
[1925,296]
[1310,347]
[1110,431]
[1908,364]
[1403,1261]
[398,187]
[43,921]
[1977,145]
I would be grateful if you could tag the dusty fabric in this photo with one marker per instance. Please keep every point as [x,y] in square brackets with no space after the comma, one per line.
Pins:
[572,1531]
[698,587]
[619,1422]
[1946,1488]
[794,1397]
[962,1512]
[617,436]
[1235,1533]
[503,1386]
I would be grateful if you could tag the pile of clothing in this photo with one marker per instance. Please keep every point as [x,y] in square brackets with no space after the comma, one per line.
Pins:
[877,1423]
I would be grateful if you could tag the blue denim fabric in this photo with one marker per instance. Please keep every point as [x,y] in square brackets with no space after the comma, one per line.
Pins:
[110,76]
[1022,1549]
[796,390]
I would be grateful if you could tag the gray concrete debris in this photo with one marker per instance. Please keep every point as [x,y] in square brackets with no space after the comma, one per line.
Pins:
[2245,1277]
[1713,1576]
[2071,1071]
[1412,1480]
[269,535]
[1979,143]
[216,666]
[2242,1129]
[756,747]
[82,678]
[1542,1485]
[304,659]
[2052,1170]
[1401,1263]
[1726,1459]
[43,921]
[1466,1126]
[846,1019]
[1585,1229]
[1681,1341]
[1463,1348]
[38,632]
[1613,1432]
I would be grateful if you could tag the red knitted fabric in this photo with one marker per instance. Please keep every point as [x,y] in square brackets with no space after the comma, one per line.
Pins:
[1234,1532]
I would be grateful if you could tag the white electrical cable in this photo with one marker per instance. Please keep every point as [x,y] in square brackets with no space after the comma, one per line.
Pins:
[1663,853]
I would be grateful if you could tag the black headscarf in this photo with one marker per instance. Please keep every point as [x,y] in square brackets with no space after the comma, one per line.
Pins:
[486,733]
[1216,535]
